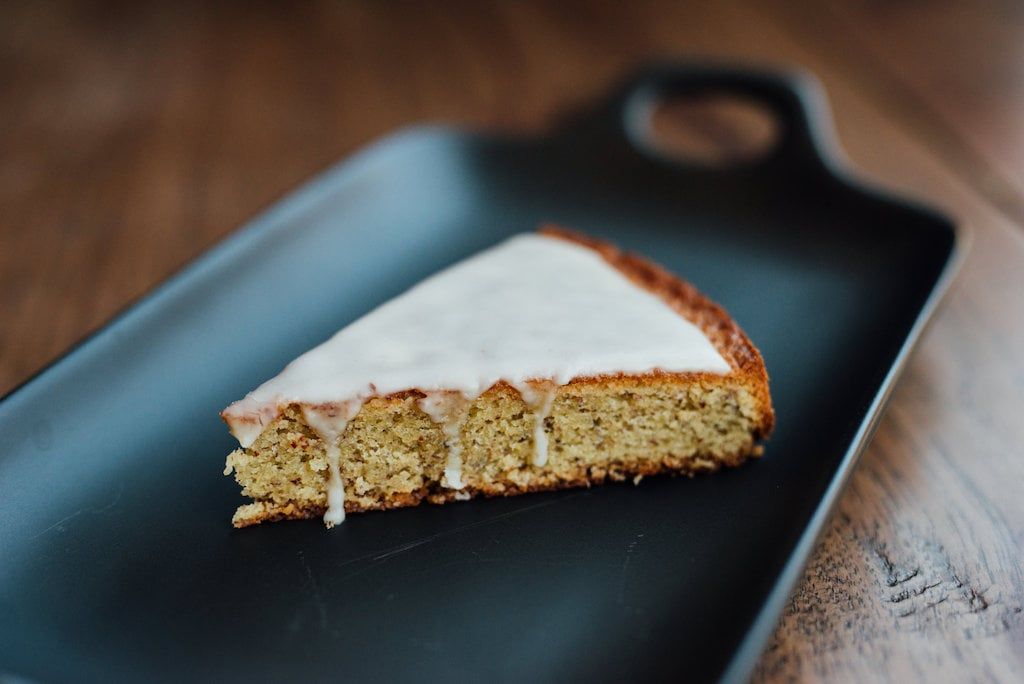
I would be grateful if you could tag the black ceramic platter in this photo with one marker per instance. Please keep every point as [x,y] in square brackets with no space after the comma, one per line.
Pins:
[117,559]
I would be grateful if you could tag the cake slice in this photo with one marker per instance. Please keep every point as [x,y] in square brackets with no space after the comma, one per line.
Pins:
[548,361]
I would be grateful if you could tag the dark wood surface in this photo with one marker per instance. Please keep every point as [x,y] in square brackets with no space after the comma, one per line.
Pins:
[134,136]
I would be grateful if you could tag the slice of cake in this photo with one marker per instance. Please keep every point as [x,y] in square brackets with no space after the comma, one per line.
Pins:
[549,361]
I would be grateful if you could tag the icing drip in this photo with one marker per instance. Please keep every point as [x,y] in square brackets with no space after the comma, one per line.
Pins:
[539,399]
[329,422]
[449,410]
[249,427]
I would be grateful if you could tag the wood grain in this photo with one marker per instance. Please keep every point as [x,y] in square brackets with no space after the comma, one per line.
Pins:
[965,69]
[134,136]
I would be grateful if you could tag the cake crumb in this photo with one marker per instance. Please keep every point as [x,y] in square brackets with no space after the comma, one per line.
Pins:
[393,454]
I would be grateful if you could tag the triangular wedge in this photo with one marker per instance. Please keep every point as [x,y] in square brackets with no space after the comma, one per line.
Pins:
[549,361]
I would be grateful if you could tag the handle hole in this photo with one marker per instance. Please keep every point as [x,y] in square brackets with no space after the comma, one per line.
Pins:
[718,130]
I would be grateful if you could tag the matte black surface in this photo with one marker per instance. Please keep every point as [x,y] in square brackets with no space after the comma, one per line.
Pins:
[117,560]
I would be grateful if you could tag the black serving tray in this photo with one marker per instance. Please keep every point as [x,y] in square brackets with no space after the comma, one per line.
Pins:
[117,559]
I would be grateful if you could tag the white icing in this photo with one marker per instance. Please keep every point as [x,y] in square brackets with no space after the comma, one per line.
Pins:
[531,308]
[539,400]
[449,409]
[329,422]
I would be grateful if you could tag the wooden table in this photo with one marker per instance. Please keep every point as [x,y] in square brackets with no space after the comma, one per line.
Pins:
[134,137]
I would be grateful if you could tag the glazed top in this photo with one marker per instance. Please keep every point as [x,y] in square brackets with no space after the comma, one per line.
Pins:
[534,307]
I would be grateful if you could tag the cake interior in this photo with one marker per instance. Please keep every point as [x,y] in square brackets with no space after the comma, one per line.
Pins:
[393,454]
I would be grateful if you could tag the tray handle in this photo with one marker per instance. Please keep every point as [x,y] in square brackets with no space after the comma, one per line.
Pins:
[794,97]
